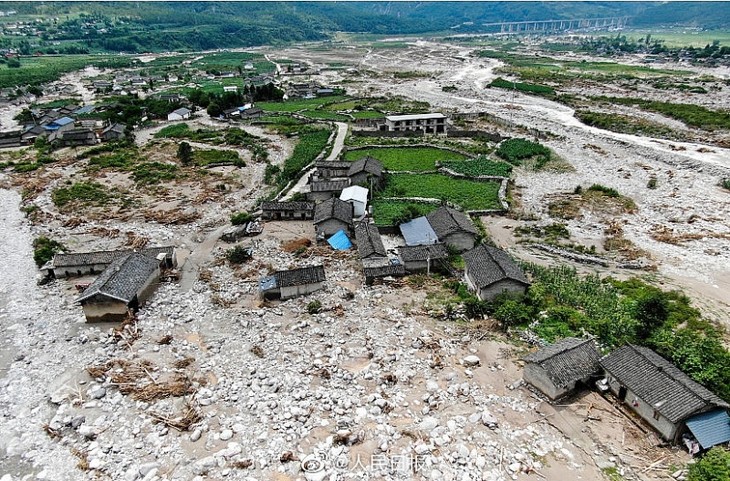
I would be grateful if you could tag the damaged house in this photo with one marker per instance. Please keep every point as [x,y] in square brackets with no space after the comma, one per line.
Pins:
[490,272]
[331,216]
[124,285]
[292,283]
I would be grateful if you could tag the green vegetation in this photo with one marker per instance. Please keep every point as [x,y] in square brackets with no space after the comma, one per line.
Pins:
[153,173]
[41,70]
[479,166]
[314,307]
[324,115]
[608,191]
[690,114]
[393,212]
[411,74]
[203,158]
[625,124]
[232,136]
[312,141]
[725,183]
[238,254]
[87,192]
[551,233]
[241,218]
[44,249]
[234,62]
[298,104]
[413,159]
[515,151]
[714,465]
[470,195]
[543,90]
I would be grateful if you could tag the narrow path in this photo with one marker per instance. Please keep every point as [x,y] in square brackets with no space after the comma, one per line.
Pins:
[200,255]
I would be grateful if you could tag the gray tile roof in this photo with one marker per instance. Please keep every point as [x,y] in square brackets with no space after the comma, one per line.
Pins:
[299,277]
[659,383]
[287,206]
[487,265]
[395,270]
[105,257]
[119,128]
[567,360]
[423,252]
[369,165]
[333,209]
[446,221]
[329,185]
[122,279]
[328,164]
[78,134]
[369,243]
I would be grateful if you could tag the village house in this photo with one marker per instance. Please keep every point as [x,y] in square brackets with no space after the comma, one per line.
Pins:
[102,86]
[418,232]
[555,370]
[30,135]
[326,170]
[326,189]
[358,197]
[12,138]
[423,257]
[453,228]
[665,397]
[369,242]
[60,124]
[366,172]
[434,123]
[490,271]
[230,88]
[384,270]
[331,216]
[113,132]
[83,263]
[287,210]
[74,137]
[179,114]
[124,285]
[292,283]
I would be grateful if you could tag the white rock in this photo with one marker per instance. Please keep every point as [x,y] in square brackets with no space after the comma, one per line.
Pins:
[471,361]
[195,435]
[226,434]
[428,423]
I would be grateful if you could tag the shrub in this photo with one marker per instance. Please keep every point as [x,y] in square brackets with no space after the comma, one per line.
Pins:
[184,153]
[241,218]
[725,184]
[604,190]
[150,173]
[314,307]
[713,466]
[515,151]
[652,183]
[238,255]
[83,191]
[44,249]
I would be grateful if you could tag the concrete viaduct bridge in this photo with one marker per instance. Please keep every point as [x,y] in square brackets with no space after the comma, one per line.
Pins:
[606,23]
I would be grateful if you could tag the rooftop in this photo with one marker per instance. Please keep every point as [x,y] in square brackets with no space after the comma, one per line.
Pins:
[287,206]
[299,277]
[567,360]
[396,118]
[423,252]
[446,221]
[487,265]
[333,209]
[122,279]
[369,165]
[368,241]
[418,232]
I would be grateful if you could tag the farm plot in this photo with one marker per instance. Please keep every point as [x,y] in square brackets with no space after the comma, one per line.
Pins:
[298,104]
[412,159]
[468,194]
[479,166]
[392,212]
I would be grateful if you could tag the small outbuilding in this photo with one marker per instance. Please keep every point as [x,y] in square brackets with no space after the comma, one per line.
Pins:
[287,210]
[179,114]
[423,257]
[358,197]
[367,171]
[123,286]
[418,232]
[382,271]
[555,370]
[331,216]
[320,190]
[453,228]
[369,242]
[490,271]
[292,283]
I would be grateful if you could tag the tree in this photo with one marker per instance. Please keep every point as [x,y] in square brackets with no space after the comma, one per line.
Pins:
[652,312]
[714,466]
[214,109]
[184,153]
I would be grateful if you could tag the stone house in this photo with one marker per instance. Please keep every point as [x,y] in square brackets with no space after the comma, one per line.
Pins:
[287,210]
[453,228]
[369,242]
[326,189]
[555,370]
[423,257]
[332,216]
[326,170]
[292,283]
[367,172]
[124,285]
[665,397]
[490,271]
[78,264]
[113,132]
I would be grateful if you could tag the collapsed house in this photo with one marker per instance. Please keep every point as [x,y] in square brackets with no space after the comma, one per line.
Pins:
[123,286]
[555,370]
[490,272]
[666,398]
[292,283]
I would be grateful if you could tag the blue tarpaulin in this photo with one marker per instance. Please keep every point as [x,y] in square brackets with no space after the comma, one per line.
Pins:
[710,429]
[418,232]
[339,241]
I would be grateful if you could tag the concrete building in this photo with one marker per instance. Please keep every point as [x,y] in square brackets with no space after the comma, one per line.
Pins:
[490,271]
[179,114]
[358,197]
[453,228]
[292,283]
[555,370]
[287,210]
[665,397]
[434,123]
[332,216]
[123,286]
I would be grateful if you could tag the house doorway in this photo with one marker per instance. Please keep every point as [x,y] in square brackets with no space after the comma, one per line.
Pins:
[622,393]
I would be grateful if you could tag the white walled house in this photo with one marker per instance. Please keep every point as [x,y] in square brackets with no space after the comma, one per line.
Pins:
[358,197]
[179,114]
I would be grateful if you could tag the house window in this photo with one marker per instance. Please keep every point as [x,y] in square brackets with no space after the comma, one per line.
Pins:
[656,415]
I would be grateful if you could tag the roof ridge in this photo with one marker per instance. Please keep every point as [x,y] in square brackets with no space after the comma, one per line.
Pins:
[496,261]
[582,341]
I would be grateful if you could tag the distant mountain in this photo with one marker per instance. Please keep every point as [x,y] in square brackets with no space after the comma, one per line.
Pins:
[149,26]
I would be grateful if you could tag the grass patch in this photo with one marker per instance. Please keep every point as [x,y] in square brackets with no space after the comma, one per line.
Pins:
[523,87]
[298,104]
[515,151]
[625,124]
[479,166]
[311,143]
[86,192]
[151,173]
[203,157]
[692,115]
[391,212]
[413,159]
[324,115]
[470,195]
[367,114]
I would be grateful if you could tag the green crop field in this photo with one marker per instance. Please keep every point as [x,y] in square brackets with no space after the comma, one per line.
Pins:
[324,115]
[231,61]
[469,194]
[298,104]
[413,159]
[479,166]
[387,212]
